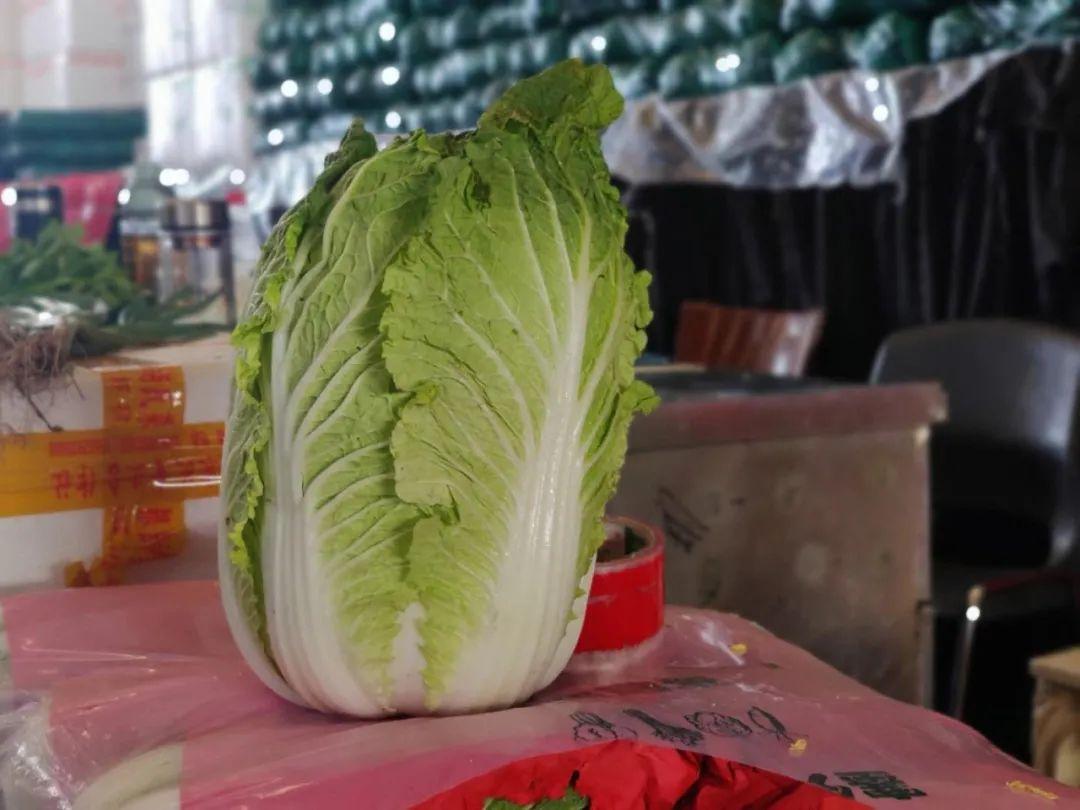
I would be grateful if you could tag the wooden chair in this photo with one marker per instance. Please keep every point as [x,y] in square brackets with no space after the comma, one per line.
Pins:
[762,341]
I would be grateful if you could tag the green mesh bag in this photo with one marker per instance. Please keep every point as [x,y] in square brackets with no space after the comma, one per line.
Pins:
[749,62]
[892,41]
[544,50]
[662,35]
[272,32]
[682,76]
[414,43]
[433,7]
[707,71]
[702,25]
[961,32]
[810,53]
[635,80]
[461,29]
[745,18]
[504,22]
[618,40]
[797,15]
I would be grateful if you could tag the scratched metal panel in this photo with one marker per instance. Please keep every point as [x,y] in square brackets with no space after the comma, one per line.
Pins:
[823,540]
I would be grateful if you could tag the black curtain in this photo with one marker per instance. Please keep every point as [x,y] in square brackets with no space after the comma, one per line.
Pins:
[985,222]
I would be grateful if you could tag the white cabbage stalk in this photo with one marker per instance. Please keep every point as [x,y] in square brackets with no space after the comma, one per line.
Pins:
[433,390]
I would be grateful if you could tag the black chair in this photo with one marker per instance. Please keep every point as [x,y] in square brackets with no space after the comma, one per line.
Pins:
[1005,469]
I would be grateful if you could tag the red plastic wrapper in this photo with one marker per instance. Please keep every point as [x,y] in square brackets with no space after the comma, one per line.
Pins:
[632,775]
[90,200]
[135,697]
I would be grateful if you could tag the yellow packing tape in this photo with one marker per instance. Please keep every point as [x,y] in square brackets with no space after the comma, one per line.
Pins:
[58,472]
[140,467]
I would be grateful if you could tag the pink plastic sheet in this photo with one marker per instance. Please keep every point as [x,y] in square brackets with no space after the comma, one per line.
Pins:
[101,677]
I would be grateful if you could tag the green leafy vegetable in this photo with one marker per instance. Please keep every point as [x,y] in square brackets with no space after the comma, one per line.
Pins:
[570,801]
[83,295]
[433,389]
[57,265]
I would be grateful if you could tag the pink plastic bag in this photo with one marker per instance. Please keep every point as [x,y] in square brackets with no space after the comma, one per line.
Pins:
[140,697]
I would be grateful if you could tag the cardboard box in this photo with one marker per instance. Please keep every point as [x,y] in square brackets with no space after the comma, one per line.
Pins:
[112,475]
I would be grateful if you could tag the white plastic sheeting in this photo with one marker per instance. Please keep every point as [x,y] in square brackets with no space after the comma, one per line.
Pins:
[835,129]
[196,77]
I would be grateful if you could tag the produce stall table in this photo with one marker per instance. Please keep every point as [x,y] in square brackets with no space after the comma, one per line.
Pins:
[135,697]
[803,506]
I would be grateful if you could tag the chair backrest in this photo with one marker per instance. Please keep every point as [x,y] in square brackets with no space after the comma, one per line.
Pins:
[1007,381]
[1013,434]
[696,331]
[763,341]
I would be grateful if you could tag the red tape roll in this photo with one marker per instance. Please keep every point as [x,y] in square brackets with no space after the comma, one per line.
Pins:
[626,601]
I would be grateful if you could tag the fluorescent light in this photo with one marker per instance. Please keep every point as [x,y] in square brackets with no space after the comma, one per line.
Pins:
[9,196]
[275,137]
[167,177]
[183,177]
[393,119]
[873,84]
[237,177]
[390,75]
[973,613]
[387,31]
[881,113]
[324,86]
[289,88]
[124,197]
[727,62]
[598,43]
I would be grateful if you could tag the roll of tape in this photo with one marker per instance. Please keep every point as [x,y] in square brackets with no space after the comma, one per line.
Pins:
[626,601]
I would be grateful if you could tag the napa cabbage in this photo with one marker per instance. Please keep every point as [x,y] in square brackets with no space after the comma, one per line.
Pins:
[433,387]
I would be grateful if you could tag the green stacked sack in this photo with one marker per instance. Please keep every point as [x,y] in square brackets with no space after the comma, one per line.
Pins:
[6,171]
[437,63]
[40,142]
[971,28]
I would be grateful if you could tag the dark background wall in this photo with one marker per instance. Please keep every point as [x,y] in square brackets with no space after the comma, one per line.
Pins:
[985,222]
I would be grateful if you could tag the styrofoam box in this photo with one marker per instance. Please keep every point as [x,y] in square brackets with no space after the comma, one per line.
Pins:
[10,56]
[198,118]
[51,27]
[10,83]
[224,29]
[83,80]
[166,36]
[35,548]
[9,28]
[171,104]
[219,120]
